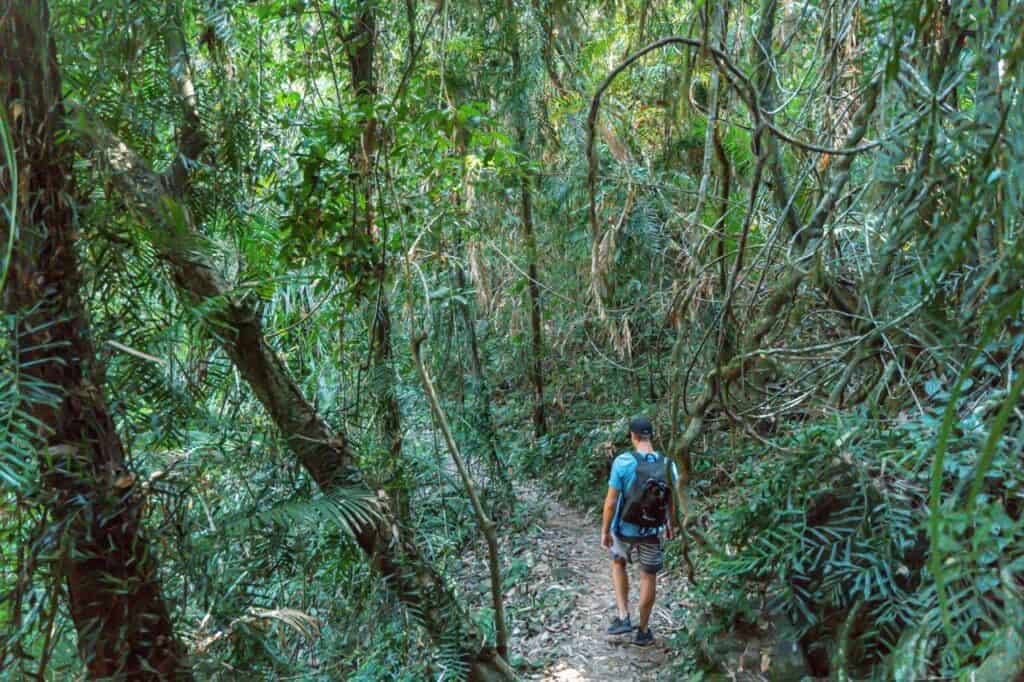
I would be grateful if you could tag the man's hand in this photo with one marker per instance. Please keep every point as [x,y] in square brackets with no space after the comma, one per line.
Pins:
[610,501]
[670,532]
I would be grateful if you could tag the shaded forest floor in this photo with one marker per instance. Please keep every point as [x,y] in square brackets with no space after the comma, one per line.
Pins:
[560,600]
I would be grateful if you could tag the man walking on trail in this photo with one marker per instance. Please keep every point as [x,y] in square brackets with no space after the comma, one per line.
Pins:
[627,492]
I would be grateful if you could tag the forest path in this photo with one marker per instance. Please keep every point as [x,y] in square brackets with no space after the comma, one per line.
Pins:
[572,578]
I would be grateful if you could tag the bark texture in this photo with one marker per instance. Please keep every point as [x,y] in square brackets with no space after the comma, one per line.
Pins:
[114,594]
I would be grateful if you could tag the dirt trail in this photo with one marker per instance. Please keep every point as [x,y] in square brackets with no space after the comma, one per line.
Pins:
[567,545]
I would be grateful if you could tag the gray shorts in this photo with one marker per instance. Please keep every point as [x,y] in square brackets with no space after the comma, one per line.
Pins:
[647,549]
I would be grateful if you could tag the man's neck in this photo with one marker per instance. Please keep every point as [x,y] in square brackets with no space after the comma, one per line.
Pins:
[644,447]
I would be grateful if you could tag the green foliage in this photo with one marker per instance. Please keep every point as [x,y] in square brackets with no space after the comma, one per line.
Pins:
[833,535]
[858,476]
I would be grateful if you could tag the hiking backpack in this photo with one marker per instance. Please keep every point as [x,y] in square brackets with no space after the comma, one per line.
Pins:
[646,502]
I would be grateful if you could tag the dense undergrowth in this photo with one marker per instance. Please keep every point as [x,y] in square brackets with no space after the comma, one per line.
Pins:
[789,232]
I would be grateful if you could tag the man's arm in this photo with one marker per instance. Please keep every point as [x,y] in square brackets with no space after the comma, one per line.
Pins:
[609,511]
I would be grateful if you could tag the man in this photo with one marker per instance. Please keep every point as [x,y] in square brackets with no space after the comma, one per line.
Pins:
[625,539]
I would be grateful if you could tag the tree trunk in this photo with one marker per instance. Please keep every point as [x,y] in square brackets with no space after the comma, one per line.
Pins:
[360,50]
[535,368]
[324,453]
[114,594]
[540,427]
[481,391]
[483,520]
[547,17]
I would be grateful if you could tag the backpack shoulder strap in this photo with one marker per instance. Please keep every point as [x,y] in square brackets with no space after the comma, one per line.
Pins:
[638,458]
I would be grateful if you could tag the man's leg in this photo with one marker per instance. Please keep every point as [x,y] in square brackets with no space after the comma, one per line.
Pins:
[651,561]
[648,583]
[620,580]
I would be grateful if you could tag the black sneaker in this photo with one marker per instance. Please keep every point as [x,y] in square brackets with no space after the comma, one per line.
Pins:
[643,638]
[620,626]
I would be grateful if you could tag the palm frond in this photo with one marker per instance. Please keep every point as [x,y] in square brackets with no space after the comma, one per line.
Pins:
[349,509]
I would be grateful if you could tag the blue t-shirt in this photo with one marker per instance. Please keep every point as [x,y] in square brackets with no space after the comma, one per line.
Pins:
[622,477]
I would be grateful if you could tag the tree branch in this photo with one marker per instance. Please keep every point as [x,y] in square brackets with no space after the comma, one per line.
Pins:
[485,523]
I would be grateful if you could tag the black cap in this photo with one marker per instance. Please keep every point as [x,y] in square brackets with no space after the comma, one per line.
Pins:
[641,426]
